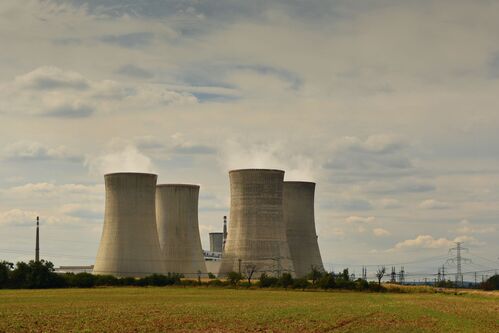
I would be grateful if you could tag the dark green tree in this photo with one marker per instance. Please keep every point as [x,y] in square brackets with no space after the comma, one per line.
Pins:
[5,269]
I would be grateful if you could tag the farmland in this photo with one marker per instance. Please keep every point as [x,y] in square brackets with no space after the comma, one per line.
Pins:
[192,309]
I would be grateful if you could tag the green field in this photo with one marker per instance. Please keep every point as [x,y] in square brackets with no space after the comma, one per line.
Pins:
[226,310]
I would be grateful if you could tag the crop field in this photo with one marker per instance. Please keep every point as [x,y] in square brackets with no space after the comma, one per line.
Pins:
[203,309]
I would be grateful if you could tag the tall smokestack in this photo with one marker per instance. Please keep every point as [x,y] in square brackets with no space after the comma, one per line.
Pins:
[37,246]
[225,232]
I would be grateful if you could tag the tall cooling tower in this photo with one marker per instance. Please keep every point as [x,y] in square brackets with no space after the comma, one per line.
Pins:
[178,228]
[298,210]
[129,245]
[257,234]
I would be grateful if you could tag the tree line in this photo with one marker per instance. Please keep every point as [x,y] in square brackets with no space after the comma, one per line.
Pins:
[41,274]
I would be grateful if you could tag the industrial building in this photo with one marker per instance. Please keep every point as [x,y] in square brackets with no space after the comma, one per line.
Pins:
[178,229]
[129,244]
[257,233]
[216,241]
[298,212]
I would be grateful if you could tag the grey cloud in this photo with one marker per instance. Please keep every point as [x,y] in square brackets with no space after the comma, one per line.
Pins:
[398,188]
[134,71]
[130,40]
[69,111]
[353,204]
[35,151]
[295,81]
[51,78]
[379,154]
[67,41]
[221,10]
[493,67]
[83,213]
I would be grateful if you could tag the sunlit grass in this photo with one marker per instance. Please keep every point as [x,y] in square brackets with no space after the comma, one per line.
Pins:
[214,310]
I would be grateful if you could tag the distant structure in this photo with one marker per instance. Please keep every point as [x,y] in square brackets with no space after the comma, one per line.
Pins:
[459,260]
[224,232]
[178,229]
[257,234]
[129,245]
[216,241]
[74,269]
[37,245]
[298,212]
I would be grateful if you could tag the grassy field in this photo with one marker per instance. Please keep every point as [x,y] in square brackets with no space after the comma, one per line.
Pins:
[175,309]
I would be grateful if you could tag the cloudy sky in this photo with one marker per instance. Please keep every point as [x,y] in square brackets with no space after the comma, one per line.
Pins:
[391,107]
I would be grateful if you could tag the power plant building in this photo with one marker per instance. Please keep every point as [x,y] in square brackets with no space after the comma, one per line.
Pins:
[216,241]
[298,212]
[257,233]
[129,244]
[178,228]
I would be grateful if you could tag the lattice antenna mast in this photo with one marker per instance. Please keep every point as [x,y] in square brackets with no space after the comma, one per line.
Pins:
[459,260]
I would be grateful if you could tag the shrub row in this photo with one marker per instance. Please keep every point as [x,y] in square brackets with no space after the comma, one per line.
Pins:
[37,275]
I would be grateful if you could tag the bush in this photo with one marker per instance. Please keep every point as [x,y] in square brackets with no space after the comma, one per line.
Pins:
[286,280]
[83,280]
[301,284]
[374,286]
[217,283]
[361,284]
[107,280]
[345,284]
[315,275]
[492,283]
[244,284]
[234,278]
[327,281]
[127,281]
[266,281]
[211,275]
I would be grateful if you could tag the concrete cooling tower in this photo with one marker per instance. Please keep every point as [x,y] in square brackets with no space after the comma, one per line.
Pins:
[257,234]
[178,228]
[129,245]
[298,211]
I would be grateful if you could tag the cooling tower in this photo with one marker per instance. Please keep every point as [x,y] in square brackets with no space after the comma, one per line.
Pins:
[298,212]
[129,245]
[257,234]
[178,228]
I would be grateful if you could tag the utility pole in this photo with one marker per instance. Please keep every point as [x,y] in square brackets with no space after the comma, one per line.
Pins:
[458,260]
[239,260]
[439,275]
[402,275]
[37,245]
[443,273]
[475,279]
